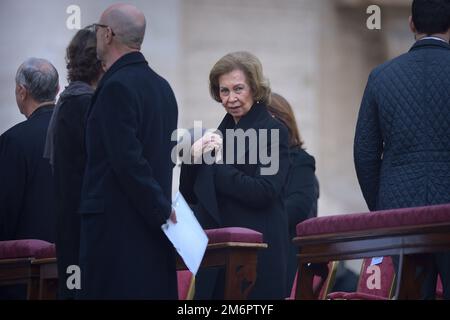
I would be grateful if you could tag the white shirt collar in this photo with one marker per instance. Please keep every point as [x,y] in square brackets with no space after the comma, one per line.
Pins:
[433,38]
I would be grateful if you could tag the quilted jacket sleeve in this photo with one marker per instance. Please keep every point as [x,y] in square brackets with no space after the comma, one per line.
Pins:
[368,146]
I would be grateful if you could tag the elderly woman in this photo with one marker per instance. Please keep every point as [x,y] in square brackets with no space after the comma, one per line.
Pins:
[242,188]
[302,187]
[65,147]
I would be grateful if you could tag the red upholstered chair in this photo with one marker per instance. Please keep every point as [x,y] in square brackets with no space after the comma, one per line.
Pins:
[375,220]
[410,233]
[38,249]
[236,250]
[31,262]
[186,285]
[376,282]
[233,234]
[322,284]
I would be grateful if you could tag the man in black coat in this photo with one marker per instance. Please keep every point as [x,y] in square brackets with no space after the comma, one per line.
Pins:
[26,186]
[126,192]
[402,141]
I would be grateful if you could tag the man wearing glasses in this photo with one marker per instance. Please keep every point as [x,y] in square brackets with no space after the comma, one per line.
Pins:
[127,182]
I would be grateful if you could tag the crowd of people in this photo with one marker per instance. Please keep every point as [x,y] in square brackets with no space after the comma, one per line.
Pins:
[92,172]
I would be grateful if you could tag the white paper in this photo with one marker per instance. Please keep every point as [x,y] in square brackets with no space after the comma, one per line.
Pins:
[187,236]
[376,260]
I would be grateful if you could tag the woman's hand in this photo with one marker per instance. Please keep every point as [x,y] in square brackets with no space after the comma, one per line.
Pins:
[214,143]
[208,142]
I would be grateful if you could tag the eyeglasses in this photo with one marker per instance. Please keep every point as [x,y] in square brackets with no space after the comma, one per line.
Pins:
[94,27]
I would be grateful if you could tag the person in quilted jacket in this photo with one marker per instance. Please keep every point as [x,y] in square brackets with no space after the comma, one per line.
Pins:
[402,139]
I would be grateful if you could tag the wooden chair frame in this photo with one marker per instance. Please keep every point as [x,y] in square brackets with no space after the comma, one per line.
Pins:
[40,276]
[239,260]
[410,243]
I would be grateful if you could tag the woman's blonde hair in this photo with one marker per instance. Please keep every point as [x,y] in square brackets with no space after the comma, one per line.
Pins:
[250,65]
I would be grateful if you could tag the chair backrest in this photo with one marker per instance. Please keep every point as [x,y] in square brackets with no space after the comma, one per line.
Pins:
[186,285]
[377,277]
[321,284]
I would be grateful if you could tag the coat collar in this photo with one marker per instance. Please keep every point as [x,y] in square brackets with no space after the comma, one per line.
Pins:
[125,60]
[258,110]
[257,113]
[430,43]
[43,109]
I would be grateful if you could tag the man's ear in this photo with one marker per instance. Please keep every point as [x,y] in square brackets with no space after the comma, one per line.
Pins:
[22,91]
[412,27]
[108,36]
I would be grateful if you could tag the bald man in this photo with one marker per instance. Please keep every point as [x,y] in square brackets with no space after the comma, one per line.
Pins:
[126,194]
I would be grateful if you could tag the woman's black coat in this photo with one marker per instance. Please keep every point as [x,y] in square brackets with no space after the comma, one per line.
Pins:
[68,170]
[301,194]
[238,195]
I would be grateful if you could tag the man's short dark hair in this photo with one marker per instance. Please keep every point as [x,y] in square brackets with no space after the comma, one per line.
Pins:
[431,16]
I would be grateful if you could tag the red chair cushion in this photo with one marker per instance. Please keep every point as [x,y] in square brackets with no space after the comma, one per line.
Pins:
[29,248]
[233,234]
[375,219]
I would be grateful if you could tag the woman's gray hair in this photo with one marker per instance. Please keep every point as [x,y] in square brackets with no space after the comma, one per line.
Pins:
[40,78]
[250,65]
